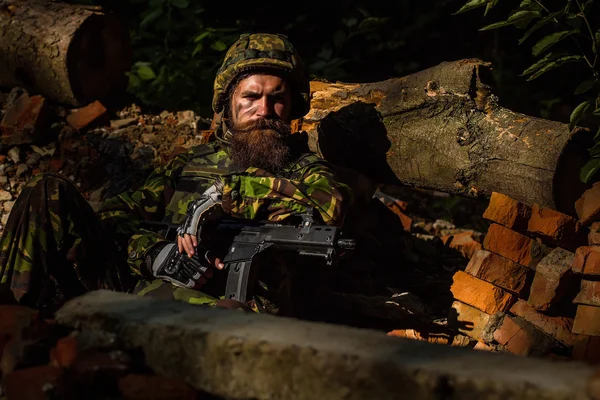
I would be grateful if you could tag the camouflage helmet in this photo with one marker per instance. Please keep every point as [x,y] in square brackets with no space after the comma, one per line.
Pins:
[263,51]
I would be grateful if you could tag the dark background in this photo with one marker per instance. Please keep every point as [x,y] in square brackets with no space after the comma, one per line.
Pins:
[357,41]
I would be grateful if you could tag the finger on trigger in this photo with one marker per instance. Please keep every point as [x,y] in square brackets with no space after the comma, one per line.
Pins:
[194,241]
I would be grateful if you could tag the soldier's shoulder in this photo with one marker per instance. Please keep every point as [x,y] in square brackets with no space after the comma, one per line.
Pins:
[204,149]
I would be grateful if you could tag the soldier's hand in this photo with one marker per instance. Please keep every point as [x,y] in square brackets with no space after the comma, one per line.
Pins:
[179,268]
[189,243]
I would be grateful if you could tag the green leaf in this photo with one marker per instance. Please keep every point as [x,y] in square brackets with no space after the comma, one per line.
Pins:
[539,24]
[553,64]
[585,86]
[151,17]
[588,171]
[145,72]
[218,45]
[339,38]
[201,36]
[489,6]
[496,25]
[529,5]
[595,149]
[472,4]
[199,47]
[519,16]
[538,64]
[180,3]
[550,40]
[577,114]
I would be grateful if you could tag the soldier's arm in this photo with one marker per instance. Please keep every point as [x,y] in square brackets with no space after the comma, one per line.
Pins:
[123,215]
[255,191]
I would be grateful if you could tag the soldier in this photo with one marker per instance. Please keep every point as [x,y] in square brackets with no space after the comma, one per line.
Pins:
[55,247]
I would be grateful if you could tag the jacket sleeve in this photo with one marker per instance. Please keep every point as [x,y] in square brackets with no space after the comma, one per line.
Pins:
[125,216]
[255,191]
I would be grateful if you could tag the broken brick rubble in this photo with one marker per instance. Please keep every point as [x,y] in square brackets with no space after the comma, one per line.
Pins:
[556,228]
[553,278]
[556,327]
[507,212]
[589,293]
[514,246]
[522,338]
[25,120]
[93,114]
[480,294]
[587,261]
[587,320]
[501,272]
[588,205]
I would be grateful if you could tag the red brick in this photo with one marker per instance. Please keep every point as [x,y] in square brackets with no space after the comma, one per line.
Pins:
[508,212]
[589,293]
[587,261]
[25,121]
[405,220]
[594,234]
[146,387]
[33,383]
[514,246]
[463,242]
[556,327]
[480,294]
[65,352]
[484,347]
[13,319]
[553,277]
[472,322]
[587,348]
[587,206]
[556,228]
[56,165]
[92,114]
[501,272]
[521,338]
[587,320]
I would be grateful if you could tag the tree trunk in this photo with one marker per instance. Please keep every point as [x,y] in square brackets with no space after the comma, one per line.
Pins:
[441,128]
[70,54]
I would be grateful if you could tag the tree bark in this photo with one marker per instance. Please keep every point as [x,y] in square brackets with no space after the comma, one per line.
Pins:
[68,53]
[442,128]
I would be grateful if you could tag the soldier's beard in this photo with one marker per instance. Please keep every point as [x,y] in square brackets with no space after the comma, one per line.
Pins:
[262,143]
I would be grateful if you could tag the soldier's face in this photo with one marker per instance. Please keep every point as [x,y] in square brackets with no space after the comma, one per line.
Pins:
[261,96]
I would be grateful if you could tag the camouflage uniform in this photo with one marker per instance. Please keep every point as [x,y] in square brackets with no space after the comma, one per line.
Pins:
[54,246]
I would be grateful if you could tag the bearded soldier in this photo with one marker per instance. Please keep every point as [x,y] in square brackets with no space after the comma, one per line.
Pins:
[55,247]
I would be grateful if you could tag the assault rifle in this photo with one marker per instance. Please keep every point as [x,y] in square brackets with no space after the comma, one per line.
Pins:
[306,239]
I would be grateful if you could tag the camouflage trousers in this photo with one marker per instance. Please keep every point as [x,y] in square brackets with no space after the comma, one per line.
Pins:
[54,248]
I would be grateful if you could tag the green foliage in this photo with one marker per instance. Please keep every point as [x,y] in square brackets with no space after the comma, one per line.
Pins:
[179,44]
[570,29]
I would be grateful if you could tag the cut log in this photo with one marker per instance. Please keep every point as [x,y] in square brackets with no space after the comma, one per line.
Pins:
[68,53]
[442,129]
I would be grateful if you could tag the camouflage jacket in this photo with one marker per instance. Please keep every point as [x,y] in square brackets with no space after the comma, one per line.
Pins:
[251,194]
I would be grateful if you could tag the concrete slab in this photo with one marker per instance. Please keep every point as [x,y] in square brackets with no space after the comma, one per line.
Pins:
[248,356]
